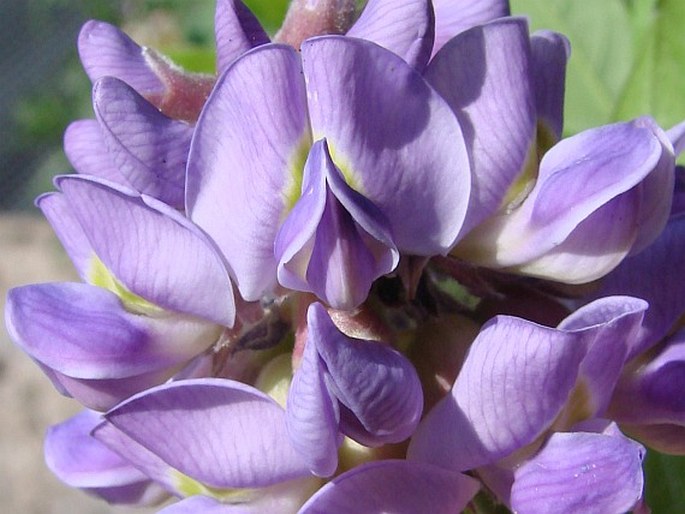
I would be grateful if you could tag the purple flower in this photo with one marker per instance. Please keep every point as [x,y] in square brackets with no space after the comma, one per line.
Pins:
[569,215]
[648,400]
[526,408]
[346,181]
[222,446]
[156,294]
[146,107]
[82,461]
[212,437]
[362,389]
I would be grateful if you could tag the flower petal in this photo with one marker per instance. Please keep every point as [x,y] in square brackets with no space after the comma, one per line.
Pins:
[657,191]
[404,27]
[676,135]
[147,147]
[455,16]
[580,473]
[56,208]
[222,433]
[550,52]
[397,486]
[594,247]
[655,275]
[378,388]
[237,30]
[515,381]
[312,415]
[578,177]
[81,461]
[241,205]
[652,394]
[85,147]
[152,249]
[410,162]
[199,504]
[107,51]
[84,332]
[484,74]
[334,242]
[283,498]
[612,324]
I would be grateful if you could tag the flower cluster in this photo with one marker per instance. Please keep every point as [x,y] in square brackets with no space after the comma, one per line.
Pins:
[360,270]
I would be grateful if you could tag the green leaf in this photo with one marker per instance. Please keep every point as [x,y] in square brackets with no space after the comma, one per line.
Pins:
[665,482]
[601,57]
[656,85]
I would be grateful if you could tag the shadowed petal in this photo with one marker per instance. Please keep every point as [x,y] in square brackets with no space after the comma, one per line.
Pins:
[222,433]
[550,52]
[312,415]
[397,486]
[81,461]
[237,30]
[676,135]
[656,190]
[455,16]
[404,27]
[101,394]
[107,51]
[653,393]
[513,384]
[84,332]
[664,438]
[238,187]
[655,275]
[410,162]
[611,324]
[147,147]
[85,147]
[484,75]
[580,473]
[152,249]
[378,388]
[594,173]
[594,247]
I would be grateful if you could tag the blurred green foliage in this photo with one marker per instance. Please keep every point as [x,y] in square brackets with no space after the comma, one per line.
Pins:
[627,59]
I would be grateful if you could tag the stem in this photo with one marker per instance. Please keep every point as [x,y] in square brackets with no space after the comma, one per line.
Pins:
[308,18]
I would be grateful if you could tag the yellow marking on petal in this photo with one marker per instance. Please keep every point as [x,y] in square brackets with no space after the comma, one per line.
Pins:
[345,168]
[578,408]
[525,181]
[190,487]
[293,189]
[99,275]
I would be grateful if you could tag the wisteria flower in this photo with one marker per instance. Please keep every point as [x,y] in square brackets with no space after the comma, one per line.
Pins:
[145,106]
[156,294]
[569,211]
[526,411]
[291,267]
[647,401]
[347,180]
[81,461]
[363,389]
